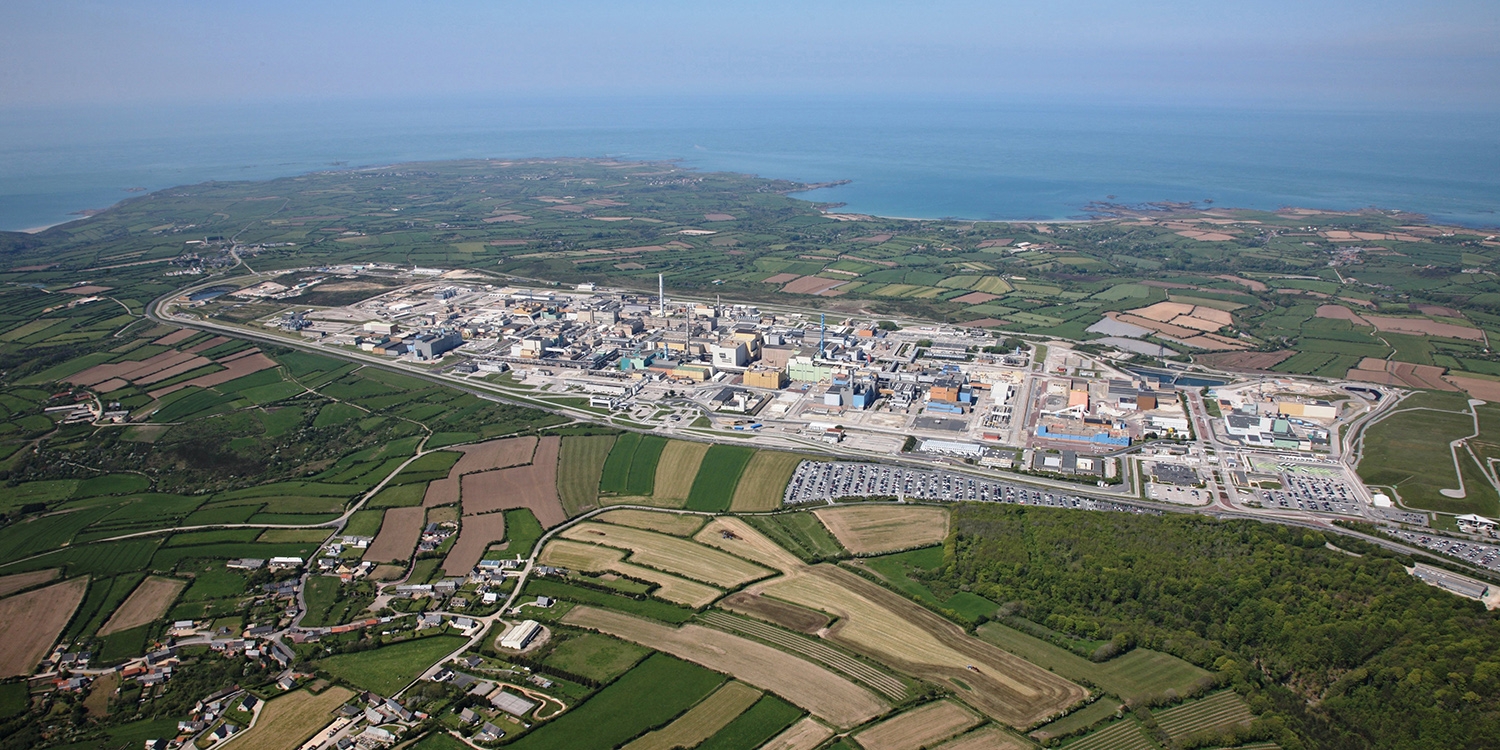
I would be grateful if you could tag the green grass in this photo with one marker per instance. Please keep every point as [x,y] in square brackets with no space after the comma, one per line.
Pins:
[656,610]
[439,740]
[580,466]
[1409,450]
[718,475]
[168,558]
[642,479]
[801,534]
[1121,735]
[102,559]
[322,595]
[1140,673]
[398,496]
[215,536]
[897,568]
[596,656]
[112,484]
[753,728]
[1219,712]
[616,471]
[521,532]
[214,584]
[389,668]
[618,712]
[336,413]
[429,466]
[104,595]
[124,644]
[364,523]
[14,699]
[47,532]
[1079,720]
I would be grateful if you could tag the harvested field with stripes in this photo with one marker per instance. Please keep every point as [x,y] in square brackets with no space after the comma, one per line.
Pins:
[804,735]
[594,558]
[815,689]
[1216,713]
[400,531]
[147,604]
[738,538]
[676,524]
[763,482]
[893,630]
[874,529]
[580,464]
[1121,735]
[533,486]
[475,535]
[701,721]
[12,583]
[919,728]
[812,649]
[670,554]
[31,622]
[989,738]
[676,469]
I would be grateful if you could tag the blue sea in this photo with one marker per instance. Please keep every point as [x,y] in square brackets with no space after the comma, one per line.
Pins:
[973,159]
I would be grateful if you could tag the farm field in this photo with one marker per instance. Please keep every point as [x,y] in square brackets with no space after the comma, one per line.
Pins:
[31,622]
[399,533]
[919,728]
[895,631]
[1137,674]
[630,469]
[287,721]
[801,533]
[718,475]
[1125,734]
[1219,712]
[870,529]
[756,726]
[475,535]
[389,668]
[15,582]
[670,554]
[578,556]
[810,648]
[676,470]
[1083,718]
[596,656]
[738,538]
[816,689]
[701,721]
[147,604]
[676,524]
[616,714]
[988,738]
[580,467]
[533,486]
[763,483]
[806,734]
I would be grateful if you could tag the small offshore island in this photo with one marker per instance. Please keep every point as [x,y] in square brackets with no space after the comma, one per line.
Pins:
[484,453]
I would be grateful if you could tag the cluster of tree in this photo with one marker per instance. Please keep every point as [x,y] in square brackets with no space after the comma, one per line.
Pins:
[1350,652]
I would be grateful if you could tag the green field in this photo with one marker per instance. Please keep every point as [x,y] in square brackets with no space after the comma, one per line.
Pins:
[579,472]
[897,570]
[1137,674]
[1121,735]
[387,669]
[1219,712]
[364,523]
[1079,720]
[398,496]
[654,609]
[596,656]
[522,530]
[801,534]
[718,475]
[1409,451]
[631,466]
[758,724]
[617,713]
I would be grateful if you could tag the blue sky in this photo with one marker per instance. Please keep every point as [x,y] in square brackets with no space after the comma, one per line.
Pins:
[1370,53]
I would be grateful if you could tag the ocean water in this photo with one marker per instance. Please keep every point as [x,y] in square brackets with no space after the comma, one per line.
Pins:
[970,159]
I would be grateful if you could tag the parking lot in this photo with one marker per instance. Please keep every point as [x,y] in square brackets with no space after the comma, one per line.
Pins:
[815,482]
[1479,554]
[1313,493]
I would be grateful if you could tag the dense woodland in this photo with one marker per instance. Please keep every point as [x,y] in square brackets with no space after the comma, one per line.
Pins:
[1350,652]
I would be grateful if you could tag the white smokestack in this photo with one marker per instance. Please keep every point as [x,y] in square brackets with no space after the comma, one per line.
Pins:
[661,295]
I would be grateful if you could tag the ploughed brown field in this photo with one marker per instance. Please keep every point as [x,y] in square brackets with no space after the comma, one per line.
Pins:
[533,486]
[12,583]
[789,616]
[147,604]
[492,454]
[475,535]
[31,622]
[400,531]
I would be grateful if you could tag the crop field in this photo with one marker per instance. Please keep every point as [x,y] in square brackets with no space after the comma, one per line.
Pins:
[292,536]
[895,631]
[670,554]
[522,531]
[398,496]
[533,486]
[676,524]
[287,721]
[615,714]
[595,656]
[740,539]
[763,483]
[804,735]
[630,468]
[789,616]
[801,533]
[475,535]
[988,738]
[677,469]
[718,475]
[1137,674]
[1098,711]
[390,668]
[701,721]
[919,728]
[399,534]
[31,622]
[751,729]
[580,466]
[147,604]
[657,610]
[814,688]
[12,583]
[1121,735]
[813,649]
[563,553]
[875,529]
[1219,712]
